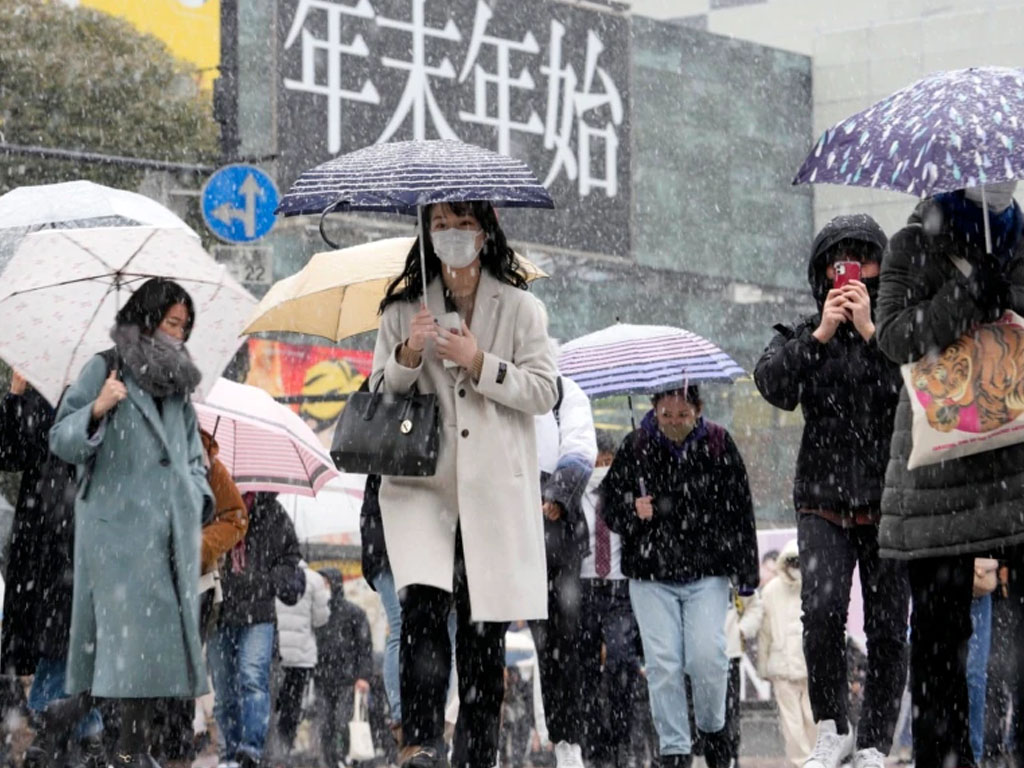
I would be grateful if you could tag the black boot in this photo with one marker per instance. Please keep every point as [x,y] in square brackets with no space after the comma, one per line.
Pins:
[675,761]
[140,760]
[717,749]
[92,753]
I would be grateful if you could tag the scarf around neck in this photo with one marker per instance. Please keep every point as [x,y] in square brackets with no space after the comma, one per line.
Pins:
[159,368]
[649,426]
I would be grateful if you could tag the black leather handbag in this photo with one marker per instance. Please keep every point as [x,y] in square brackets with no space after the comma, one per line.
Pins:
[387,434]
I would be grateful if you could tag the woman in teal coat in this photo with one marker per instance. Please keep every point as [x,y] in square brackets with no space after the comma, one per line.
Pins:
[129,426]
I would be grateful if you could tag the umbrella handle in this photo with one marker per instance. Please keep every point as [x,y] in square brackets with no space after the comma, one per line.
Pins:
[323,218]
[423,252]
[632,421]
[984,216]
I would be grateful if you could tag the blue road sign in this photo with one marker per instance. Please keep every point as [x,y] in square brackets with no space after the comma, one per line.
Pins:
[239,203]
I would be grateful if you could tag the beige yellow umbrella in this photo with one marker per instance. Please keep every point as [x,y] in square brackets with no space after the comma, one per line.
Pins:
[337,293]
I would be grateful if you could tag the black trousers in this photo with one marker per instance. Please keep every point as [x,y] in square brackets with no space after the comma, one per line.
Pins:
[828,555]
[335,704]
[557,639]
[425,667]
[607,689]
[940,630]
[171,729]
[289,703]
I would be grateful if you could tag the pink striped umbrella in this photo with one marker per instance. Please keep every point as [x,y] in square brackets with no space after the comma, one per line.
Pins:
[264,445]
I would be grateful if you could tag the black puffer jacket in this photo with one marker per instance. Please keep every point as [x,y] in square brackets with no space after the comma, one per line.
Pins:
[268,569]
[703,522]
[847,390]
[37,599]
[344,646]
[970,505]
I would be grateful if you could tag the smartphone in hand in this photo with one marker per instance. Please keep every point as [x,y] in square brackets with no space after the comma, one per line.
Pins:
[450,321]
[845,272]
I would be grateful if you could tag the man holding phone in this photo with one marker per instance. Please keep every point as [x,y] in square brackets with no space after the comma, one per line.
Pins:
[830,365]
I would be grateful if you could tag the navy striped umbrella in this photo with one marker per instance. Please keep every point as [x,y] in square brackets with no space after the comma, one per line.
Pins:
[400,176]
[628,359]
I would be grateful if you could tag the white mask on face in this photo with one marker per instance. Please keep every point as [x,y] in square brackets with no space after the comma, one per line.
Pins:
[998,197]
[455,247]
[597,476]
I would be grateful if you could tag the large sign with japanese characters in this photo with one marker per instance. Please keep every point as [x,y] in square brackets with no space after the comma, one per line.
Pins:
[542,80]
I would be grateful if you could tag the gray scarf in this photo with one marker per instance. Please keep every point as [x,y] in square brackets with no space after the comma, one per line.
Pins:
[159,367]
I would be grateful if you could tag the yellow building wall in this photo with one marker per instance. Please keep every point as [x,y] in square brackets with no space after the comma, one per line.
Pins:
[189,28]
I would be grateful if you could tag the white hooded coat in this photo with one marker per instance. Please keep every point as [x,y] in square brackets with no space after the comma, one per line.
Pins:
[780,645]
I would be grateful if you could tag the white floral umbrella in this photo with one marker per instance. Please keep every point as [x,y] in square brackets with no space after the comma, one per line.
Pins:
[61,289]
[76,205]
[61,205]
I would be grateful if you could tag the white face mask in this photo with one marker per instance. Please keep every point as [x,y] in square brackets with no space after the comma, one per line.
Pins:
[455,247]
[998,197]
[597,476]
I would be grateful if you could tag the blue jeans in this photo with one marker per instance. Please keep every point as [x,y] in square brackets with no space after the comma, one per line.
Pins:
[240,665]
[385,586]
[48,686]
[682,627]
[977,670]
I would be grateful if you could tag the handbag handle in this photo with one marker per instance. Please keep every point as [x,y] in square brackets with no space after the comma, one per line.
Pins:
[374,401]
[360,707]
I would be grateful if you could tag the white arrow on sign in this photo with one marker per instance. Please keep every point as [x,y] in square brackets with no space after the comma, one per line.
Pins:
[226,212]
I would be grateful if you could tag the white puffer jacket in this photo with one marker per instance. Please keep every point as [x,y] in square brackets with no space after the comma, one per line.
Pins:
[295,623]
[780,646]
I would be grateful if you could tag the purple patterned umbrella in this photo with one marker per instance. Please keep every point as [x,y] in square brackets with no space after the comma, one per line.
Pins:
[950,130]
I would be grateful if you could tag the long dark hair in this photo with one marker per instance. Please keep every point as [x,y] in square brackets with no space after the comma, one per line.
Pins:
[496,256]
[148,305]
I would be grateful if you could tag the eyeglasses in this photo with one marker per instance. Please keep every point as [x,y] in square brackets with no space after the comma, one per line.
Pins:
[791,562]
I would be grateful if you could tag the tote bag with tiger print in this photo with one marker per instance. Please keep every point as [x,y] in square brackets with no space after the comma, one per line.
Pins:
[968,398]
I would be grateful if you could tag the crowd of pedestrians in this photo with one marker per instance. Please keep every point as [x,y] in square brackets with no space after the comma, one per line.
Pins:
[138,572]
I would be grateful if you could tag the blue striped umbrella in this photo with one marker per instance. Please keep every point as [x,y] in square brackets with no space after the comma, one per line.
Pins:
[400,176]
[628,359]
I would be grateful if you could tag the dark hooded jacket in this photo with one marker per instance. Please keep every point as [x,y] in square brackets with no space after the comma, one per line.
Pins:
[263,566]
[37,599]
[847,391]
[344,646]
[973,504]
[703,522]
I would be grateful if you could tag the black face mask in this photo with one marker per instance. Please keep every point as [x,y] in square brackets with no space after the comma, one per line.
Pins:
[872,284]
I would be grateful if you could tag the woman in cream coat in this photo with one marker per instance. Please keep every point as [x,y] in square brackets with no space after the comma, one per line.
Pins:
[472,534]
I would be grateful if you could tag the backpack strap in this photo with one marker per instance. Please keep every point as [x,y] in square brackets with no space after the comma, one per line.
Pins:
[112,358]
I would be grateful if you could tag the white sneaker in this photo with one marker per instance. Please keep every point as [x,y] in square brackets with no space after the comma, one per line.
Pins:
[868,758]
[832,748]
[567,756]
